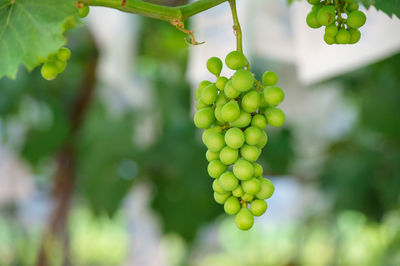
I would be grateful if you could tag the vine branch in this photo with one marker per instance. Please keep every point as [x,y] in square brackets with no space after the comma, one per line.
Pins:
[236,26]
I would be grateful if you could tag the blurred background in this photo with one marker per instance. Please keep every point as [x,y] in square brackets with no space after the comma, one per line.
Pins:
[103,166]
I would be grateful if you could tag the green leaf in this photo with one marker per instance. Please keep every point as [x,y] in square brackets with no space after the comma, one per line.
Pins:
[390,7]
[29,30]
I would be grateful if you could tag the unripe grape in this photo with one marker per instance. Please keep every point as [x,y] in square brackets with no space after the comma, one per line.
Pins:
[230,112]
[250,153]
[234,138]
[252,135]
[221,198]
[230,91]
[217,113]
[312,20]
[221,99]
[217,187]
[259,121]
[343,36]
[313,2]
[258,207]
[355,36]
[244,219]
[269,78]
[251,186]
[263,140]
[242,121]
[201,105]
[209,94]
[232,206]
[247,197]
[228,181]
[329,39]
[214,65]
[83,11]
[238,192]
[331,30]
[215,142]
[273,95]
[64,54]
[221,82]
[275,116]
[60,65]
[216,168]
[356,19]
[251,101]
[326,15]
[49,71]
[317,7]
[353,6]
[236,60]
[258,170]
[210,155]
[243,169]
[210,131]
[200,88]
[228,155]
[242,80]
[267,189]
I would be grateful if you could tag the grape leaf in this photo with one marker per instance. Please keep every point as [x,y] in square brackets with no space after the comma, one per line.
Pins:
[390,7]
[30,29]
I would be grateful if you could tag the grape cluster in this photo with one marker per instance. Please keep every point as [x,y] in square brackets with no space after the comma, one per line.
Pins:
[55,63]
[234,113]
[341,19]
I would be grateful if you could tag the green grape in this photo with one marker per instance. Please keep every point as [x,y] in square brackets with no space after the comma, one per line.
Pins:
[329,39]
[209,94]
[210,131]
[353,6]
[252,135]
[269,78]
[221,198]
[216,168]
[204,118]
[355,36]
[49,71]
[267,189]
[312,20]
[215,142]
[83,11]
[230,91]
[331,30]
[356,19]
[228,181]
[214,65]
[242,121]
[317,7]
[236,60]
[258,207]
[231,111]
[63,54]
[244,219]
[221,82]
[273,95]
[251,186]
[313,2]
[263,141]
[259,121]
[234,138]
[228,155]
[217,113]
[343,36]
[211,156]
[60,65]
[217,187]
[243,169]
[275,116]
[326,15]
[238,192]
[232,206]
[242,80]
[247,197]
[200,88]
[251,101]
[221,99]
[250,153]
[258,170]
[201,105]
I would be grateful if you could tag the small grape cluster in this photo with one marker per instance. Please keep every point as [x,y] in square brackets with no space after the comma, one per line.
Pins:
[234,113]
[55,63]
[338,29]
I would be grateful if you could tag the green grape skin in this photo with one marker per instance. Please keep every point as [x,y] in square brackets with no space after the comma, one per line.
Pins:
[252,135]
[234,138]
[263,103]
[275,116]
[356,19]
[251,186]
[259,121]
[247,197]
[231,206]
[209,94]
[210,131]
[221,99]
[228,181]
[269,78]
[216,168]
[331,30]
[236,60]
[49,71]
[329,39]
[231,111]
[250,153]
[251,101]
[244,219]
[326,15]
[238,192]
[60,65]
[267,189]
[63,54]
[242,80]
[217,113]
[352,6]
[204,118]
[312,20]
[258,170]
[221,82]
[200,88]
[242,121]
[214,65]
[217,187]
[228,155]
[258,207]
[215,142]
[317,7]
[83,11]
[273,95]
[263,141]
[343,36]
[221,198]
[211,156]
[243,169]
[355,36]
[230,91]
[201,105]
[313,2]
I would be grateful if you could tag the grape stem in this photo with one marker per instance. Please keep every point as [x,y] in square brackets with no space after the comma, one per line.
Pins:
[236,26]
